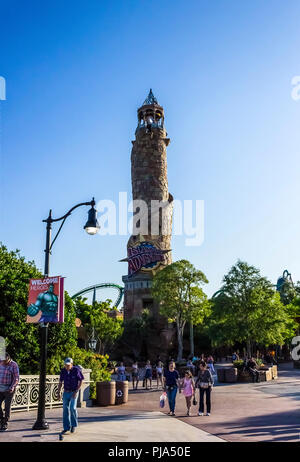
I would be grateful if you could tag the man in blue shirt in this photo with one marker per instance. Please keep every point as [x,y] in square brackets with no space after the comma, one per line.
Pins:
[71,376]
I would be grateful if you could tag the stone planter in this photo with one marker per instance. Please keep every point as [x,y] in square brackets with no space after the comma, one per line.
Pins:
[297,364]
[274,372]
[231,375]
[221,375]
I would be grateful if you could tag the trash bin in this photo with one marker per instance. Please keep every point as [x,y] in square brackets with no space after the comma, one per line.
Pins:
[106,393]
[121,392]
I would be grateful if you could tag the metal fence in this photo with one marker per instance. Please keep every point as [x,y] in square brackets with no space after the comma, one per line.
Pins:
[27,393]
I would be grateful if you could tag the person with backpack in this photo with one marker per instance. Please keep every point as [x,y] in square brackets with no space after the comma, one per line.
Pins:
[71,378]
[205,383]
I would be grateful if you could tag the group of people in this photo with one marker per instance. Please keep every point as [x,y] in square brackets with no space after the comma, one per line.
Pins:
[145,374]
[188,386]
[198,375]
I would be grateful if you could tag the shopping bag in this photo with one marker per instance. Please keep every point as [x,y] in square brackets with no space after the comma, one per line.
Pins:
[162,400]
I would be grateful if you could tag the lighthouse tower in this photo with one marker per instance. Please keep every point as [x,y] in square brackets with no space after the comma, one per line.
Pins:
[149,247]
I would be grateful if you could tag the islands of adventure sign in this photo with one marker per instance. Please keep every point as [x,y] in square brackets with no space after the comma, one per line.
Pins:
[144,256]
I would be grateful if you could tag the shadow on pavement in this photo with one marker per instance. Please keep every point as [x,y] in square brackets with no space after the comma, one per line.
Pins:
[281,426]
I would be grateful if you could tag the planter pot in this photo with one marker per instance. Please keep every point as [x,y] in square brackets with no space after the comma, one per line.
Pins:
[106,393]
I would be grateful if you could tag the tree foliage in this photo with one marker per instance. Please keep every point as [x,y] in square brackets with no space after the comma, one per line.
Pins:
[178,290]
[248,309]
[22,339]
[100,319]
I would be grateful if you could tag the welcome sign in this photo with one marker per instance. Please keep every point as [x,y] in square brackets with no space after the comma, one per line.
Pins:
[46,300]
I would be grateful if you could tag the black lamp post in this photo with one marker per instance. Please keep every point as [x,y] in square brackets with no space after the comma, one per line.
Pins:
[91,227]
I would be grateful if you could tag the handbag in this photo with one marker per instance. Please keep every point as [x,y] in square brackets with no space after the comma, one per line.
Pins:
[195,402]
[162,400]
[203,384]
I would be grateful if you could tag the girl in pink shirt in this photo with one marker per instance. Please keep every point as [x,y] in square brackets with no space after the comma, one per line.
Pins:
[188,387]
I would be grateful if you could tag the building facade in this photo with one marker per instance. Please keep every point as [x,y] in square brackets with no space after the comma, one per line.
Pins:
[149,247]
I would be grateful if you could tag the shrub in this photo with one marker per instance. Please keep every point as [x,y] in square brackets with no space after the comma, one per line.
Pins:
[238,363]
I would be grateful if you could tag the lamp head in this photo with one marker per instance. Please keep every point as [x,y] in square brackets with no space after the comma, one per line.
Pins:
[92,226]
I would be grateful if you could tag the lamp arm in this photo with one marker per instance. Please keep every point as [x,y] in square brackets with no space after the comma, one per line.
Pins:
[64,217]
[52,220]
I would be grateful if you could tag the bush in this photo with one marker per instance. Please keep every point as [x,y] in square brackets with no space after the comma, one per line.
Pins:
[88,360]
[238,363]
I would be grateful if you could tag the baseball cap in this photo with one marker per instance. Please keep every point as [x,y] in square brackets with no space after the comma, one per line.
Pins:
[68,361]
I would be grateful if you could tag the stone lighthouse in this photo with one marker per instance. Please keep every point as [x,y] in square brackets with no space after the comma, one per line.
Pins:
[149,247]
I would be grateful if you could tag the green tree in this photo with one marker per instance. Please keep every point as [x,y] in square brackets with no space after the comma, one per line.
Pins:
[100,318]
[249,310]
[135,334]
[22,339]
[178,290]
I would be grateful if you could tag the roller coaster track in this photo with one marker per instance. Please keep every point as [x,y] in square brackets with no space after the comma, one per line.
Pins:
[103,285]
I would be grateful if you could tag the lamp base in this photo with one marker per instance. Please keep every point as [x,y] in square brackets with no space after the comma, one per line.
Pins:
[41,425]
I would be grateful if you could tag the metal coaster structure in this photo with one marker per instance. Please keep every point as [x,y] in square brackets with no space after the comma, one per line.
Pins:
[103,285]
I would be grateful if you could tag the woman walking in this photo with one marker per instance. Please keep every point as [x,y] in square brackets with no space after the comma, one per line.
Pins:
[205,382]
[171,383]
[148,375]
[121,372]
[188,386]
[159,373]
[210,365]
[135,375]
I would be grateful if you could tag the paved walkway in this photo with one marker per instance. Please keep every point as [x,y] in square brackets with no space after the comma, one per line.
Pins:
[268,411]
[112,424]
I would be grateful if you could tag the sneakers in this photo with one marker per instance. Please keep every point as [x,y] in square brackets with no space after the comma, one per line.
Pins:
[172,413]
[208,413]
[73,429]
[200,413]
[3,425]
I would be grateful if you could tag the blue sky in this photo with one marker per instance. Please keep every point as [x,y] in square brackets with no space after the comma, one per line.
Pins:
[77,71]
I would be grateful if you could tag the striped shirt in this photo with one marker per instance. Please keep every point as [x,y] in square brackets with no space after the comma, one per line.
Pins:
[9,375]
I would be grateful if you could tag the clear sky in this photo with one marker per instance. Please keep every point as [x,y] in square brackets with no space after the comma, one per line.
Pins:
[77,71]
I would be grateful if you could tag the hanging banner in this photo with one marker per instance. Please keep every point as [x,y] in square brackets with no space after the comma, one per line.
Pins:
[46,300]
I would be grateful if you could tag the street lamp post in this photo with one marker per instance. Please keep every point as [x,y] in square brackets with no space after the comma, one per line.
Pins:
[91,227]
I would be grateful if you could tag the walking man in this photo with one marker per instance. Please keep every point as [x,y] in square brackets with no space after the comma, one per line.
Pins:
[9,378]
[71,376]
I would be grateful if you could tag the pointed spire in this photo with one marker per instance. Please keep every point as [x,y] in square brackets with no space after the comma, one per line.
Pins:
[150,99]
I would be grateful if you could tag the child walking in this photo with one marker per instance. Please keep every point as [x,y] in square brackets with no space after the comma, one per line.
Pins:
[188,386]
